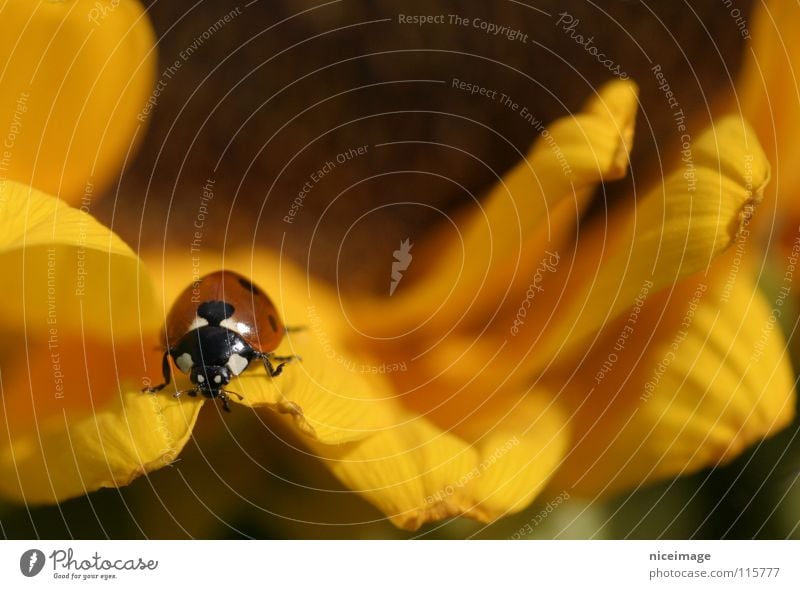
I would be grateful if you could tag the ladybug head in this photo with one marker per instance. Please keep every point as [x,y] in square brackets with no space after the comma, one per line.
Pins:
[210,377]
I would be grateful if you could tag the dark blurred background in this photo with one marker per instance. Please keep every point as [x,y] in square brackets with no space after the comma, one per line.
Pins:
[285,86]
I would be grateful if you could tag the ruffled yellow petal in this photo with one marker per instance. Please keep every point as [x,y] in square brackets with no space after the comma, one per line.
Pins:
[410,471]
[531,207]
[333,394]
[701,375]
[768,95]
[329,398]
[76,76]
[521,439]
[489,465]
[131,436]
[66,272]
[71,363]
[74,420]
[675,231]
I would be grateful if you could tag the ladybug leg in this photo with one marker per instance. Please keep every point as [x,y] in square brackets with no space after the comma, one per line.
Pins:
[224,398]
[274,370]
[190,392]
[294,328]
[164,371]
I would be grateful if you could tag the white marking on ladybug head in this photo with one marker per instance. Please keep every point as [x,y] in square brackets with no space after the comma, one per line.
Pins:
[201,378]
[198,322]
[237,364]
[184,362]
[238,326]
[218,379]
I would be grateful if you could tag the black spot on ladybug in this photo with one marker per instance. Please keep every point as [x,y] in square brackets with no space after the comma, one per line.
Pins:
[250,286]
[273,323]
[215,312]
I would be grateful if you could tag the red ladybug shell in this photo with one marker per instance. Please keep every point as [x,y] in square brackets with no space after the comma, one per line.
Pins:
[255,317]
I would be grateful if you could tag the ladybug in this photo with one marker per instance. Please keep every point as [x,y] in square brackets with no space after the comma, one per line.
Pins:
[217,326]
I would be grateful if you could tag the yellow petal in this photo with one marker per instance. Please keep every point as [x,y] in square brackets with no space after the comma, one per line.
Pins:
[75,419]
[491,464]
[701,375]
[333,399]
[76,75]
[132,436]
[72,361]
[532,206]
[333,394]
[521,439]
[410,471]
[675,231]
[768,95]
[67,273]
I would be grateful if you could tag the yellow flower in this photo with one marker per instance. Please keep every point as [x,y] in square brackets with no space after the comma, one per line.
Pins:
[535,349]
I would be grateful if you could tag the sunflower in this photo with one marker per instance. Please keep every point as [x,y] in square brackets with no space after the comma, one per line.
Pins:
[528,349]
